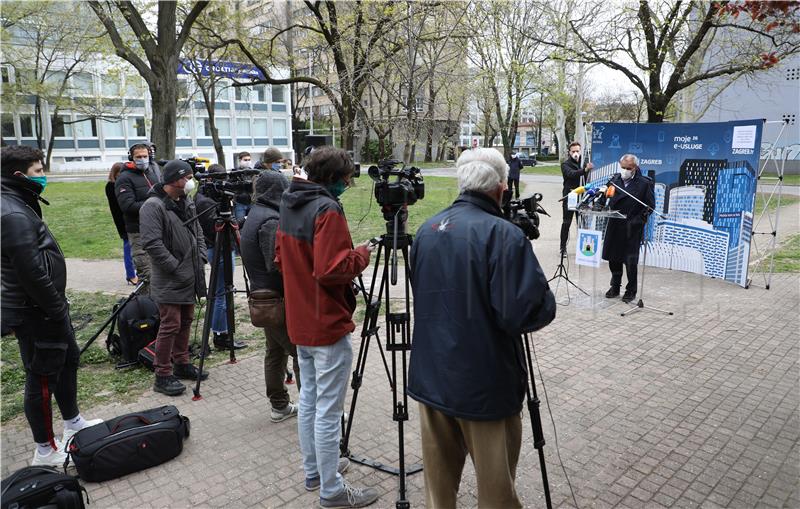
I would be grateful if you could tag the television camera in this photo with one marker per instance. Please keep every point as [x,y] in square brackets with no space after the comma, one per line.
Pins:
[525,213]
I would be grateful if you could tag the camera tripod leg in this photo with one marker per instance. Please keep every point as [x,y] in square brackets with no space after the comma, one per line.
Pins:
[536,419]
[210,301]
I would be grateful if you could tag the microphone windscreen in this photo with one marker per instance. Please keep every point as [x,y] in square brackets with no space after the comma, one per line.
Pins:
[611,191]
[579,190]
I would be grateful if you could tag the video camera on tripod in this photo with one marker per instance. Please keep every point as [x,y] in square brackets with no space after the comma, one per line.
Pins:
[525,213]
[222,186]
[405,190]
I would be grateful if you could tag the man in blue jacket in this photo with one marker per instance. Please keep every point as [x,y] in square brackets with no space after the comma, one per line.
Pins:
[477,286]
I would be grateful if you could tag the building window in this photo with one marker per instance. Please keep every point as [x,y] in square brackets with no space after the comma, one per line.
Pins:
[243,127]
[182,128]
[61,126]
[136,127]
[242,94]
[112,86]
[259,93]
[27,126]
[260,127]
[83,84]
[4,73]
[223,126]
[134,88]
[183,89]
[113,129]
[277,94]
[8,125]
[279,128]
[86,127]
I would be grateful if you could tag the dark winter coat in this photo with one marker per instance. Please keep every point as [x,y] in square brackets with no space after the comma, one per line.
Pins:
[258,233]
[177,251]
[477,286]
[514,168]
[623,236]
[207,208]
[116,212]
[32,266]
[315,255]
[132,187]
[572,171]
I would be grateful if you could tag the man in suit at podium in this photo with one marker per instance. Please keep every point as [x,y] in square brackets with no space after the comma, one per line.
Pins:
[624,236]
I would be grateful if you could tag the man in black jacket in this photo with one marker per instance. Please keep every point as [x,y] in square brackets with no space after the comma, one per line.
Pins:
[177,249]
[514,170]
[624,236]
[135,181]
[572,169]
[34,305]
[258,256]
[477,286]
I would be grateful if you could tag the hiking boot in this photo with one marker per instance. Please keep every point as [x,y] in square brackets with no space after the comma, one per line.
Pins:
[612,292]
[629,296]
[285,413]
[312,483]
[188,372]
[56,458]
[350,497]
[222,342]
[168,385]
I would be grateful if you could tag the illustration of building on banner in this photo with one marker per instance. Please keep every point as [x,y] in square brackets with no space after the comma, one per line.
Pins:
[602,174]
[736,185]
[669,256]
[739,255]
[687,202]
[698,235]
[660,191]
[703,172]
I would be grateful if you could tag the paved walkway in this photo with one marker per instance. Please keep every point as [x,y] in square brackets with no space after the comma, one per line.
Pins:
[695,409]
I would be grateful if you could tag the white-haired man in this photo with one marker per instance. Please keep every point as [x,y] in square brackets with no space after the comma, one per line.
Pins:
[477,286]
[623,236]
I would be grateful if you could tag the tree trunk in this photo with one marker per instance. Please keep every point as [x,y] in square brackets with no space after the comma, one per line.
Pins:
[561,134]
[164,104]
[51,141]
[655,110]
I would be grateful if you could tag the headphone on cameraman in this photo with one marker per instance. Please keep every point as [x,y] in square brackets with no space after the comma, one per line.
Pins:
[151,148]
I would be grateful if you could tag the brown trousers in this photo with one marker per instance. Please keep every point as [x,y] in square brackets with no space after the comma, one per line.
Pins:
[279,349]
[172,341]
[492,445]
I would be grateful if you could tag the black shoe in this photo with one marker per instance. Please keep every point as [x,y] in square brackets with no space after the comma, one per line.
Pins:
[612,292]
[221,342]
[628,297]
[188,372]
[168,385]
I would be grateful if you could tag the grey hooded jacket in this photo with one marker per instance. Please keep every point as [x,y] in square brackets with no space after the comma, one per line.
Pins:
[258,233]
[177,251]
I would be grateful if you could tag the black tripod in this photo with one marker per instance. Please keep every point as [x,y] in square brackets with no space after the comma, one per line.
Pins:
[398,342]
[226,232]
[533,411]
[562,273]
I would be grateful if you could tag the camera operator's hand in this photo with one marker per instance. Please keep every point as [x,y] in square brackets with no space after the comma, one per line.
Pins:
[589,167]
[369,245]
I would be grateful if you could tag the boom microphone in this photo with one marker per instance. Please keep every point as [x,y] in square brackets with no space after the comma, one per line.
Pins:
[577,190]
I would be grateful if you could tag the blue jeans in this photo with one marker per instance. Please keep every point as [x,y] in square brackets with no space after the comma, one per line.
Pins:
[127,258]
[240,211]
[323,380]
[219,315]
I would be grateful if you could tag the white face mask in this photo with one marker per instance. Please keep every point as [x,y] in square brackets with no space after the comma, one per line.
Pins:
[246,164]
[575,155]
[626,174]
[142,164]
[189,187]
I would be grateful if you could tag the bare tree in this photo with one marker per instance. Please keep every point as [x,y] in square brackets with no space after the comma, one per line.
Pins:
[159,65]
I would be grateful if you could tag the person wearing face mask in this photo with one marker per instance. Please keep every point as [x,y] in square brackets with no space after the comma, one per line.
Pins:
[514,170]
[34,305]
[573,170]
[131,188]
[177,250]
[623,236]
[317,261]
[477,286]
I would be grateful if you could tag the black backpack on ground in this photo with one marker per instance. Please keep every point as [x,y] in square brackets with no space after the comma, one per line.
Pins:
[137,324]
[128,443]
[33,487]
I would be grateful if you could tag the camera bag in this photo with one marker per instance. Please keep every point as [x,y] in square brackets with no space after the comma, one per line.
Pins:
[138,324]
[147,356]
[267,308]
[128,443]
[40,486]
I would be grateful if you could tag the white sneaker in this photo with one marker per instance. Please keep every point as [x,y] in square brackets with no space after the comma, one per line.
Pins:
[54,459]
[282,415]
[68,433]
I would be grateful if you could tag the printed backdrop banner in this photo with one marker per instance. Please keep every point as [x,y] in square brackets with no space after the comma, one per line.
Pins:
[705,189]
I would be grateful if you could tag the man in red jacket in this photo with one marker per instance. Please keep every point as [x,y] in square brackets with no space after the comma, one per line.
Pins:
[315,255]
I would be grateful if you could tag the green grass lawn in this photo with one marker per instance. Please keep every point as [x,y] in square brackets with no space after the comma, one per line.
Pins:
[81,222]
[787,258]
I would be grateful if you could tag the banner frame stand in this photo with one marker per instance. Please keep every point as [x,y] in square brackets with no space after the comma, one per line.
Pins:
[772,218]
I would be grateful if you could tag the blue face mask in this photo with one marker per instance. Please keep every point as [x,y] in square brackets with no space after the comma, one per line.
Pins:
[40,180]
[276,166]
[337,188]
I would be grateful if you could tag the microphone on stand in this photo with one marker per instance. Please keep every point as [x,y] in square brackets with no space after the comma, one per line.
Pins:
[577,190]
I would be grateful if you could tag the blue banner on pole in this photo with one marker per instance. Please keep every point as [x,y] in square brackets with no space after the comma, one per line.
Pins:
[705,185]
[233,70]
